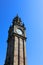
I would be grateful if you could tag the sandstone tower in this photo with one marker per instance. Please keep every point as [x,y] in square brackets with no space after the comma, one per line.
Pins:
[16,54]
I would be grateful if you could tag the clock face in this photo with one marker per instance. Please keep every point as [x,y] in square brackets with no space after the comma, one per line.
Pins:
[19,31]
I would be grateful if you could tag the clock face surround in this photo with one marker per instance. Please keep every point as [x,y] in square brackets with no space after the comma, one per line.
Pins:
[19,31]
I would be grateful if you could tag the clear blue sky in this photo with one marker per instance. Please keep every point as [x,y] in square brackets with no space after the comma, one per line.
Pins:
[31,13]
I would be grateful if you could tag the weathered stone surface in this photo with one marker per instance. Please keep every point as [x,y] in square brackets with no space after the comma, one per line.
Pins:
[16,51]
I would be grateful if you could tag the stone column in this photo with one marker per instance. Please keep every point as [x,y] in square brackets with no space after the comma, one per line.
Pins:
[21,52]
[24,52]
[16,51]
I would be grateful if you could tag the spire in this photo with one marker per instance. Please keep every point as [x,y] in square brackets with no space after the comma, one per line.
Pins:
[17,20]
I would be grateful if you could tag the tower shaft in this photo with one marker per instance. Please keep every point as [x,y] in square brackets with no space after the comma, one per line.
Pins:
[16,52]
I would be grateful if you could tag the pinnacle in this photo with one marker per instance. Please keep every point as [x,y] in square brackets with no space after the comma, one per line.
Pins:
[17,19]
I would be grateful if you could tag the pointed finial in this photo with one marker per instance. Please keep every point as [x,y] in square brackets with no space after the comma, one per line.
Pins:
[18,18]
[17,15]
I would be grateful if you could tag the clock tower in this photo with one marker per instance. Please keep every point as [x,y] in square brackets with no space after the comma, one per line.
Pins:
[16,46]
